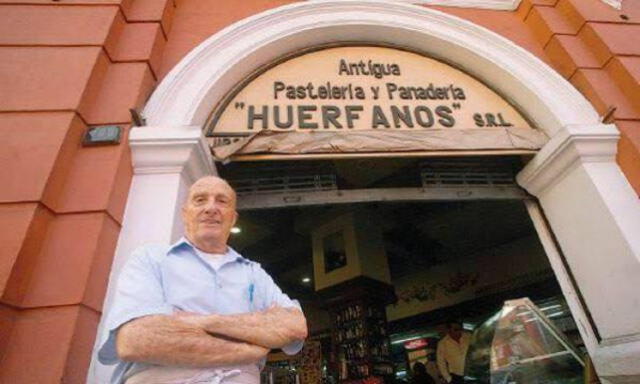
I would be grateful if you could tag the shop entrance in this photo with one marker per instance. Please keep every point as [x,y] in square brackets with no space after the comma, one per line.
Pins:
[411,243]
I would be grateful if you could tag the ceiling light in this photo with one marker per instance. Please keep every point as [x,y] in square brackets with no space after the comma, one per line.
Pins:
[236,230]
[306,279]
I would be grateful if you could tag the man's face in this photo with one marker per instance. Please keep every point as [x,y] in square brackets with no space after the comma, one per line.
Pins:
[455,330]
[209,212]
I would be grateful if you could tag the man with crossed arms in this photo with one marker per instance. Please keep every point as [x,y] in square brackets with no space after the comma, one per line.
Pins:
[197,311]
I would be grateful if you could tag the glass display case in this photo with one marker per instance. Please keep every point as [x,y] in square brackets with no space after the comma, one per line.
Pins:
[518,345]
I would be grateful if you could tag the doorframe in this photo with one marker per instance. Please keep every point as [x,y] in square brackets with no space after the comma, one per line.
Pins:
[590,206]
[563,273]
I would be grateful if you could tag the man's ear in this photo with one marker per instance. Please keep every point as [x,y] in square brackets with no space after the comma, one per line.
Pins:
[235,218]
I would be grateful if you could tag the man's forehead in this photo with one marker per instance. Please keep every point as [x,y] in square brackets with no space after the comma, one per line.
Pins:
[211,184]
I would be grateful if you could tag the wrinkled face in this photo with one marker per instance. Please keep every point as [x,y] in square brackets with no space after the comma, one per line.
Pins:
[209,212]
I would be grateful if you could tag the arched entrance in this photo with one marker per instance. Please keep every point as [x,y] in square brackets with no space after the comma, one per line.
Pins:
[588,203]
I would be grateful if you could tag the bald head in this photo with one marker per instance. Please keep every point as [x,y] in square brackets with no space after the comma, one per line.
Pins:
[212,181]
[209,214]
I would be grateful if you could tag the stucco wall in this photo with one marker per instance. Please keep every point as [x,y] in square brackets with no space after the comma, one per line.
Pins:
[508,266]
[65,66]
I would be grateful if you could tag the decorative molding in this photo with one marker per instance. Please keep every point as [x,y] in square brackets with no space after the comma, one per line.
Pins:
[192,89]
[170,150]
[572,145]
[502,5]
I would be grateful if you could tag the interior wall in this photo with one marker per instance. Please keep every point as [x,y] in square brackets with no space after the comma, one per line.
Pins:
[511,265]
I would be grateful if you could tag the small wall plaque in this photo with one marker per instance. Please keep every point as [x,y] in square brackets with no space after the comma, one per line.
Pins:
[102,135]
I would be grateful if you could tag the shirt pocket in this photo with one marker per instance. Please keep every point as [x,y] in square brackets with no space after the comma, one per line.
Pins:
[237,295]
[192,291]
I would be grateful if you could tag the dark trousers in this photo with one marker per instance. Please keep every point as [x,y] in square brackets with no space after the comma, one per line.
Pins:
[455,379]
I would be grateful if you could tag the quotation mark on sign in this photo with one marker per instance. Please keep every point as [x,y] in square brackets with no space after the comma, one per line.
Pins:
[239,105]
[456,105]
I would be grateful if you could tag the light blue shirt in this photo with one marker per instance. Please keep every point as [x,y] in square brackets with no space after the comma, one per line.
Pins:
[163,279]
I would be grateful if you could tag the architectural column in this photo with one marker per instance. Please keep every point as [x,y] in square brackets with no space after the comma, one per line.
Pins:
[595,217]
[166,161]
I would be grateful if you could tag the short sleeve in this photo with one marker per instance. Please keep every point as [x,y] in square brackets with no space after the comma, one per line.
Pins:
[269,293]
[138,293]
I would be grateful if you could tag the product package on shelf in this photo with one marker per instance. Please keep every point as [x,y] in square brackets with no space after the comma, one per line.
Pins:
[361,342]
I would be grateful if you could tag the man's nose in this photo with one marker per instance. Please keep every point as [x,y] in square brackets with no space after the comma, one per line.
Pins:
[210,206]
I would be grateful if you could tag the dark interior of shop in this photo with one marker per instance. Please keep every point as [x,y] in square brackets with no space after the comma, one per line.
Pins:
[279,238]
[463,240]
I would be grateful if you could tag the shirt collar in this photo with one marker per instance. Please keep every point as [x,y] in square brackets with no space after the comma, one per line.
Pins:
[231,253]
[182,241]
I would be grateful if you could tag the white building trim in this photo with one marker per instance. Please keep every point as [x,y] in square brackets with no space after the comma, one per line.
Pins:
[502,5]
[589,204]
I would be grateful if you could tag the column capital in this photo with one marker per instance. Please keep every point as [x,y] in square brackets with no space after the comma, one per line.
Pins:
[170,149]
[571,145]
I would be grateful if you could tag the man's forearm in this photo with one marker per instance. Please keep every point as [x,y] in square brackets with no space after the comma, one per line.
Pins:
[273,328]
[169,340]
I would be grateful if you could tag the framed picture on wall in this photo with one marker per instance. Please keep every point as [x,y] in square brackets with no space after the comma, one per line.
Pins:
[335,254]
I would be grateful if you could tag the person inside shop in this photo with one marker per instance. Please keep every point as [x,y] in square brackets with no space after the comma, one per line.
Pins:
[197,311]
[420,375]
[451,353]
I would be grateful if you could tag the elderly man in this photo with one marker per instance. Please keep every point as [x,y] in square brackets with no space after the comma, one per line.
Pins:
[197,311]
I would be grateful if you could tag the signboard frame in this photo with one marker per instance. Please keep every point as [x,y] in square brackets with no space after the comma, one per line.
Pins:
[231,137]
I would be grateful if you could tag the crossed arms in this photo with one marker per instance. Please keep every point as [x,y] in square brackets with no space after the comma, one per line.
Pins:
[209,340]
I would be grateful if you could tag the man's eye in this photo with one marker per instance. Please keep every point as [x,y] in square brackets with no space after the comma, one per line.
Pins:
[199,200]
